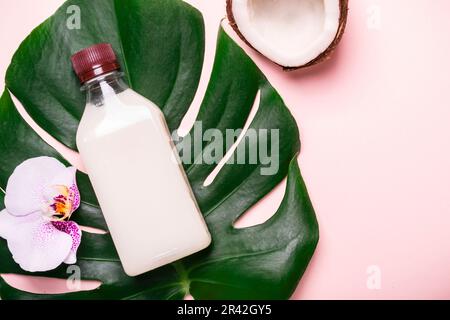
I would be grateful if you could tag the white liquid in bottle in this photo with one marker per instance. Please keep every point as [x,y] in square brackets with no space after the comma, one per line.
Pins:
[143,192]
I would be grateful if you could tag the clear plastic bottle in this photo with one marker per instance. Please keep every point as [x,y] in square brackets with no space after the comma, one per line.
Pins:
[126,147]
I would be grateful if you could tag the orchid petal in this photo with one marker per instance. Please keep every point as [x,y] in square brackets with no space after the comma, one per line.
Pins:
[73,230]
[24,192]
[7,224]
[36,245]
[65,177]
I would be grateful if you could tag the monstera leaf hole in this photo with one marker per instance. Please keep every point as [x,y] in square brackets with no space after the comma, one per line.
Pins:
[164,64]
[40,285]
[255,216]
[210,179]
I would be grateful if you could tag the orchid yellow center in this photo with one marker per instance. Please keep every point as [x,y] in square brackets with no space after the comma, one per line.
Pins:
[62,205]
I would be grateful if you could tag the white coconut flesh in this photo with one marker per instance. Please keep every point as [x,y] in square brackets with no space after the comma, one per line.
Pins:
[291,33]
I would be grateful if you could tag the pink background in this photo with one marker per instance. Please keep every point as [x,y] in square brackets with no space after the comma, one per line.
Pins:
[375,127]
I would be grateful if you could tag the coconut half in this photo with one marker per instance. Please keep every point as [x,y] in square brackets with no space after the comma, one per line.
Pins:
[292,33]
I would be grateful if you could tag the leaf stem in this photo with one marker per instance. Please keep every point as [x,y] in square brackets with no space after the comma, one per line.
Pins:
[2,190]
[184,279]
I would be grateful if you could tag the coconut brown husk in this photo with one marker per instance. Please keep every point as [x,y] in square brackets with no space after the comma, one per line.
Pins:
[321,57]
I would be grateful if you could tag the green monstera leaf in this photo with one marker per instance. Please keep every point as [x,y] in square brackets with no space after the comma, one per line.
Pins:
[160,44]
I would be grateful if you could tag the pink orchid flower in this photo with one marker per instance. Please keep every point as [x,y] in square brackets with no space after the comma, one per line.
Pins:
[41,196]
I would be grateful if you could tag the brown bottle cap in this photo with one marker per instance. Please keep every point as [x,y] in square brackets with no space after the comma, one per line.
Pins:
[94,61]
